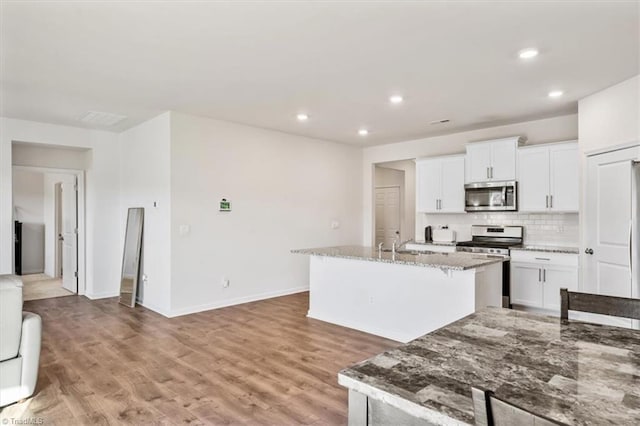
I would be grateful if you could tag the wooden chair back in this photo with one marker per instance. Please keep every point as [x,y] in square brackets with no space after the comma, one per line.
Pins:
[598,304]
[492,411]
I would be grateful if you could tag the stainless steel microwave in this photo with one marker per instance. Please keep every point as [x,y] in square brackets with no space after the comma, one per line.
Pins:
[491,196]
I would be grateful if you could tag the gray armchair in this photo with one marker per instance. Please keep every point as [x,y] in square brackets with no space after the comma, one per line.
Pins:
[20,335]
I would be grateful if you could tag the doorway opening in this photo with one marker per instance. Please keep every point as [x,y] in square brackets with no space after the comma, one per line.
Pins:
[394,202]
[48,212]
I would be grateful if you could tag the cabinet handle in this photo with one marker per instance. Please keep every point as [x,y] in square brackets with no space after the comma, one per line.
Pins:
[487,173]
[491,171]
[440,204]
[539,275]
[542,258]
[544,275]
[547,202]
[551,201]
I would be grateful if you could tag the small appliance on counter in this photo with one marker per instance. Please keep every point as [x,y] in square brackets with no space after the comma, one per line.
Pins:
[444,235]
[427,235]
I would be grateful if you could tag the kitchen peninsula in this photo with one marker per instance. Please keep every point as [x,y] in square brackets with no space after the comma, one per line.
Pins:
[400,296]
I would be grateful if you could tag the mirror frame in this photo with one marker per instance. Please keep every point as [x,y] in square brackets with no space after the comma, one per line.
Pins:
[138,252]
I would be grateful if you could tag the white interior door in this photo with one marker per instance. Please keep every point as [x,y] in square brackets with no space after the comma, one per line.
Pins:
[69,235]
[608,224]
[387,215]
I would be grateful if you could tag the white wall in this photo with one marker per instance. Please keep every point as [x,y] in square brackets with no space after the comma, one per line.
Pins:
[610,117]
[103,227]
[28,191]
[285,192]
[28,196]
[539,131]
[145,170]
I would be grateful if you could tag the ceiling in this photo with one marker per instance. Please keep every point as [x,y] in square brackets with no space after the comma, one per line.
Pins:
[260,63]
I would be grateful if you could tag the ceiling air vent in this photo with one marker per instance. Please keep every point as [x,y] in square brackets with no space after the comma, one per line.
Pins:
[102,118]
[445,120]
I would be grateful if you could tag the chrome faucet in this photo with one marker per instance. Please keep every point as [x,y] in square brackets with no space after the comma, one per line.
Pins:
[396,246]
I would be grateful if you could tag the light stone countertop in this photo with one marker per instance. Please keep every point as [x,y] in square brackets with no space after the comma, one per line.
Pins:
[451,261]
[572,372]
[547,249]
[433,243]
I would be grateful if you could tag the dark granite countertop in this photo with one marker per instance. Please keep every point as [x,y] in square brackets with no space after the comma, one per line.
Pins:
[454,261]
[576,373]
[547,249]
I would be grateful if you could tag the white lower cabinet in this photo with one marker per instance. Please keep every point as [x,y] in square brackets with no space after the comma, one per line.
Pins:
[537,277]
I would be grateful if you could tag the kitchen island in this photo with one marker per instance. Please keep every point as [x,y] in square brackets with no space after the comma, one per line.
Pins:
[399,296]
[571,372]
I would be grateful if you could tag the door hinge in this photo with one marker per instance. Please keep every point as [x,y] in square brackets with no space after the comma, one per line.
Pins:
[75,274]
[75,231]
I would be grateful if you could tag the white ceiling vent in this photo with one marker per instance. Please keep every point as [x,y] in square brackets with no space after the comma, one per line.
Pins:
[102,118]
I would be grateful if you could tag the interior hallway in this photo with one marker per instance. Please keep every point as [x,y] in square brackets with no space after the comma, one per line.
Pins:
[42,286]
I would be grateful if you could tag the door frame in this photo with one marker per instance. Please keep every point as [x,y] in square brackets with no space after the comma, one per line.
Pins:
[80,179]
[400,210]
[57,201]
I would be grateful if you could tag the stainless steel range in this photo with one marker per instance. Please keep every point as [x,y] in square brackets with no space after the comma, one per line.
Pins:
[495,241]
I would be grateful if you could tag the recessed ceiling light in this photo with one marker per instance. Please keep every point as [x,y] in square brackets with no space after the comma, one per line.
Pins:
[396,99]
[528,53]
[363,132]
[556,93]
[302,117]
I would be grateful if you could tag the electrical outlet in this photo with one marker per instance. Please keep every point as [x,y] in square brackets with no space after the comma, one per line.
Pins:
[225,282]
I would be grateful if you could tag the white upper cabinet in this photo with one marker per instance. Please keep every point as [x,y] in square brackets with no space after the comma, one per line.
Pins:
[440,184]
[548,178]
[492,160]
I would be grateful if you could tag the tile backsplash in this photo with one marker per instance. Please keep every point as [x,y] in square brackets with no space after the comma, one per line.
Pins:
[539,228]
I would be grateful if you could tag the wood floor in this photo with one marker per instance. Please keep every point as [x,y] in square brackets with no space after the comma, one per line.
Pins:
[41,286]
[257,363]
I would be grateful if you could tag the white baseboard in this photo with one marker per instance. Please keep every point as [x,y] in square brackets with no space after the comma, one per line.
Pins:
[236,301]
[32,271]
[101,295]
[155,309]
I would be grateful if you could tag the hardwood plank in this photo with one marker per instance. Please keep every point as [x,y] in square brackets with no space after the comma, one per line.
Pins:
[258,363]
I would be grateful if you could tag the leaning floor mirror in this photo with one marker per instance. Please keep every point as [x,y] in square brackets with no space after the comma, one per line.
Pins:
[131,257]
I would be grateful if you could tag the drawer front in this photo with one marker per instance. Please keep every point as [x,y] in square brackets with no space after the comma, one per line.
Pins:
[544,258]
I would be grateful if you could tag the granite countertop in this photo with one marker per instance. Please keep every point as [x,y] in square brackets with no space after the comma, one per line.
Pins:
[434,243]
[547,249]
[573,372]
[453,261]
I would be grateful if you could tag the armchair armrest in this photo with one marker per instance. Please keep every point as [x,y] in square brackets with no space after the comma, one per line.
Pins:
[30,349]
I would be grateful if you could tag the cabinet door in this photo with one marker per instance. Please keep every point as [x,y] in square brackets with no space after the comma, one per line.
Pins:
[503,160]
[452,194]
[564,176]
[533,179]
[428,177]
[478,162]
[526,284]
[555,278]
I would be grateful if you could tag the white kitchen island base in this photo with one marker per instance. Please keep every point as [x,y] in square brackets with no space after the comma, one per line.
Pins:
[398,301]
